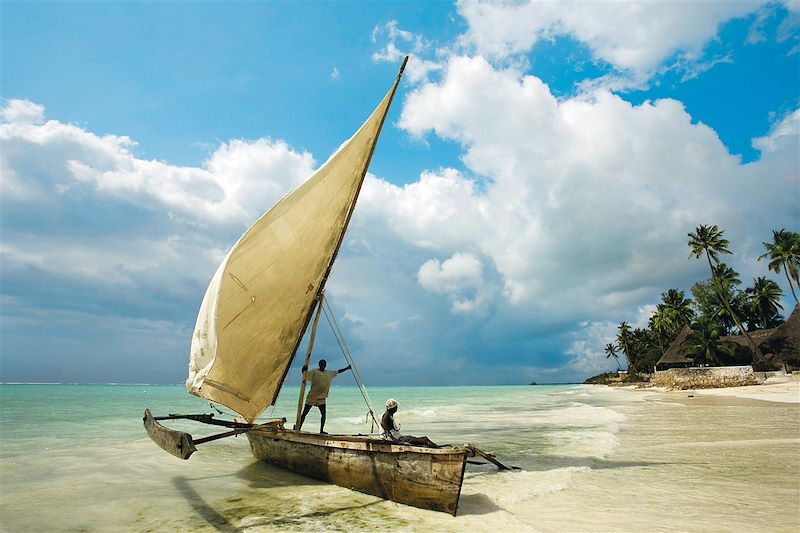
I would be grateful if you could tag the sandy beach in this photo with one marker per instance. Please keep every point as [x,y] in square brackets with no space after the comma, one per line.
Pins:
[692,460]
[771,392]
[776,392]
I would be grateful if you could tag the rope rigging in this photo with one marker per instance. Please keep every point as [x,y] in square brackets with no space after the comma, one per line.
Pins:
[337,333]
[339,336]
[233,414]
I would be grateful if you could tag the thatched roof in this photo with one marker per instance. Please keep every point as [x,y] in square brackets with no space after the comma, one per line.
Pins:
[785,340]
[764,338]
[759,337]
[676,353]
[782,342]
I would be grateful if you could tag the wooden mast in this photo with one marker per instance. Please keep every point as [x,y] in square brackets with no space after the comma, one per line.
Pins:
[321,287]
[308,358]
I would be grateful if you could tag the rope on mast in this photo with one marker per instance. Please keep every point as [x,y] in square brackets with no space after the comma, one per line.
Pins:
[337,333]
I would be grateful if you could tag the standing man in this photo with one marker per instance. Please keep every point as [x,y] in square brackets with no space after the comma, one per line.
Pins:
[320,386]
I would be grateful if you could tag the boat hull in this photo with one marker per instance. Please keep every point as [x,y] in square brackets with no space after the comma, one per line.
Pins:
[422,477]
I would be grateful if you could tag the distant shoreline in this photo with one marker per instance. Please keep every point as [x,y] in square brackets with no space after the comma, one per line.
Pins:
[788,392]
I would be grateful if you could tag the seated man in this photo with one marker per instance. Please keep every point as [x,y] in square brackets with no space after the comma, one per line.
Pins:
[390,431]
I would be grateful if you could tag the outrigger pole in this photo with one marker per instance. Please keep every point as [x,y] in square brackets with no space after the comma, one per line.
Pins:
[472,451]
[182,444]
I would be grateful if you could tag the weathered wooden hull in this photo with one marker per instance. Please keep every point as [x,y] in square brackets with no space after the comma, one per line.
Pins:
[412,475]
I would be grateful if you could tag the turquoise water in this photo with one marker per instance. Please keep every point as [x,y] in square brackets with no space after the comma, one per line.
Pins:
[76,458]
[77,417]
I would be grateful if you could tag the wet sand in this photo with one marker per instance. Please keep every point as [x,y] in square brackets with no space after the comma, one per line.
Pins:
[788,392]
[690,462]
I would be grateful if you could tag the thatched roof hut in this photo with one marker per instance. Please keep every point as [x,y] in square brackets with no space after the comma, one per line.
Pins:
[675,356]
[781,344]
[784,342]
[759,337]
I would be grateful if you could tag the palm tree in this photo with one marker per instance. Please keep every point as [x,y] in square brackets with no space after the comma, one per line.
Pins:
[643,349]
[784,252]
[708,304]
[611,351]
[703,344]
[727,278]
[764,297]
[734,304]
[680,307]
[623,340]
[662,322]
[708,240]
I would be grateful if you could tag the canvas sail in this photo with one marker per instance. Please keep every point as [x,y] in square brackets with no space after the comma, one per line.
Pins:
[259,301]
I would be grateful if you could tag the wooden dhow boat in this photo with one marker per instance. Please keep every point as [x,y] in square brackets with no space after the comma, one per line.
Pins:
[253,317]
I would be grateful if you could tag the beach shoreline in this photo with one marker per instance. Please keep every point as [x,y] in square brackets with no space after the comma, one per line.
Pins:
[787,392]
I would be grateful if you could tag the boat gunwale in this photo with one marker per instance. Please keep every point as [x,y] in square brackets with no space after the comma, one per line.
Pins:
[368,443]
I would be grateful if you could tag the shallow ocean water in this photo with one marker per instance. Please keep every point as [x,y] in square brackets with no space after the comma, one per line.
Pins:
[76,458]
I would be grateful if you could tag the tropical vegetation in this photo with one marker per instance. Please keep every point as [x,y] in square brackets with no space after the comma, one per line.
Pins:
[704,343]
[611,351]
[784,254]
[719,306]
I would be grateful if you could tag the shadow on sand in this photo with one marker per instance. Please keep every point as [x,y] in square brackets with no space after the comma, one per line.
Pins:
[476,504]
[206,512]
[260,475]
[295,519]
[219,522]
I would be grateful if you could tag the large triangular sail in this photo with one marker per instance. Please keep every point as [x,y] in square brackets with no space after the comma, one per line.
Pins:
[259,302]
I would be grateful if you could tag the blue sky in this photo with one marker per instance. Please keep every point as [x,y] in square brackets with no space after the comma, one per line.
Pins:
[534,185]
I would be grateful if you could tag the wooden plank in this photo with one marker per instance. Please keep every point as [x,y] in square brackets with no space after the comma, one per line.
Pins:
[177,443]
[360,442]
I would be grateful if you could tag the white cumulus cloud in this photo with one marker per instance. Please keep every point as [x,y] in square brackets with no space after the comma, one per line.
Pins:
[398,43]
[460,277]
[22,112]
[588,200]
[84,184]
[634,37]
[461,271]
